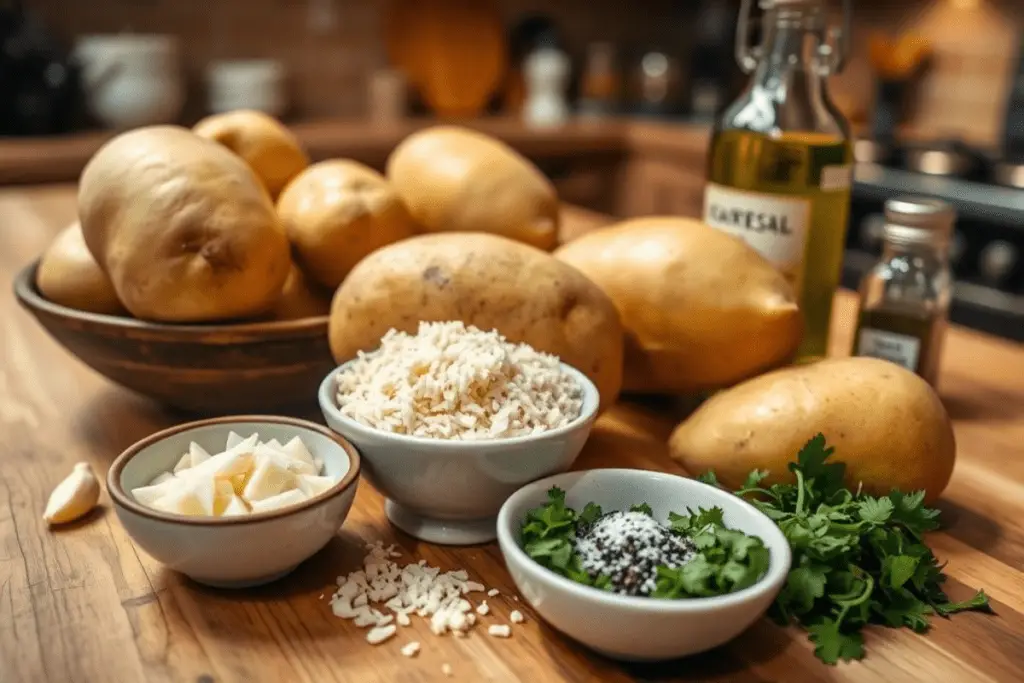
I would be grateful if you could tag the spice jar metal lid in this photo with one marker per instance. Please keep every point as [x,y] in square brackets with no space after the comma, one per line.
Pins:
[918,220]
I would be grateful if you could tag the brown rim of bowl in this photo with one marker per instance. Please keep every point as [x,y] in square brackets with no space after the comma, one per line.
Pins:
[120,497]
[29,296]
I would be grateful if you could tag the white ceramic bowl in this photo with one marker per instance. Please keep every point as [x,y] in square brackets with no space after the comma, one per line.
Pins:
[636,628]
[233,552]
[450,491]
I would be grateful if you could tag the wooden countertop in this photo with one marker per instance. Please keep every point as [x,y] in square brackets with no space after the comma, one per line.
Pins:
[61,158]
[84,604]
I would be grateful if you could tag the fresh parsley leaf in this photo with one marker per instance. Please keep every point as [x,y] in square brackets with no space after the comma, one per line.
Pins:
[978,602]
[875,510]
[832,645]
[857,559]
[900,569]
[708,478]
[804,586]
[755,478]
[591,512]
[826,478]
[642,507]
[909,512]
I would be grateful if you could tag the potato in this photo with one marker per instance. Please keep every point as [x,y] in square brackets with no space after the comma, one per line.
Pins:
[263,142]
[487,281]
[701,309]
[454,179]
[885,422]
[301,298]
[335,213]
[68,275]
[182,226]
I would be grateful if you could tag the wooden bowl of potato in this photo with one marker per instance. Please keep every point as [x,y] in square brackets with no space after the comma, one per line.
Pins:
[211,369]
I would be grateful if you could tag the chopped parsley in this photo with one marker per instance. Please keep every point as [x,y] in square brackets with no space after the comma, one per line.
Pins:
[857,559]
[629,552]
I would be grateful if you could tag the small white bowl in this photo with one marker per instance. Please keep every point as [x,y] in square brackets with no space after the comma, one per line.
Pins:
[234,552]
[449,492]
[638,628]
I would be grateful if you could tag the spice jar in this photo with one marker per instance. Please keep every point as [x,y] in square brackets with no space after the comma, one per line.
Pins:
[904,299]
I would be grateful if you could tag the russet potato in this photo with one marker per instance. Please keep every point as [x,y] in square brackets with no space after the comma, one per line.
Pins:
[182,227]
[263,142]
[487,281]
[69,275]
[454,179]
[301,298]
[335,213]
[700,308]
[886,423]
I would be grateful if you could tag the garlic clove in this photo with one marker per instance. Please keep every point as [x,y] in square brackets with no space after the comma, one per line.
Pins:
[74,497]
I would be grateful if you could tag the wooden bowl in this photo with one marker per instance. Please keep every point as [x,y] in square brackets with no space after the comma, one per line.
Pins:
[210,369]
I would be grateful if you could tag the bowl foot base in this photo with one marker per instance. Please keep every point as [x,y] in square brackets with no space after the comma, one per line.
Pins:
[243,583]
[443,531]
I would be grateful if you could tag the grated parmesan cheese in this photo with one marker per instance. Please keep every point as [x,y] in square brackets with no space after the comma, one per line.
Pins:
[516,617]
[499,630]
[450,381]
[411,649]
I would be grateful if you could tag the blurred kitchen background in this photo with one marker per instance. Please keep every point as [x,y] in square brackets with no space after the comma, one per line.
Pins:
[612,99]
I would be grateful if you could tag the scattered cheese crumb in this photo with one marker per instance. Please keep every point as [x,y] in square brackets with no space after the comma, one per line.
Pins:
[380,633]
[516,598]
[483,609]
[433,595]
[516,617]
[446,669]
[411,649]
[499,630]
[493,592]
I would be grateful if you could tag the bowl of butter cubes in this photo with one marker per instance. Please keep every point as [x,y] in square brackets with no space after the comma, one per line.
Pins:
[235,501]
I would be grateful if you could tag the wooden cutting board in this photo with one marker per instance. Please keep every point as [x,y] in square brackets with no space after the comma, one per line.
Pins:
[452,51]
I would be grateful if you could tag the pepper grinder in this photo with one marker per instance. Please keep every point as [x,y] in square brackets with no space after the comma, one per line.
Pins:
[546,75]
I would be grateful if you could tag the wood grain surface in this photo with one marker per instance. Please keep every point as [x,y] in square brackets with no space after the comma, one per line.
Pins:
[83,604]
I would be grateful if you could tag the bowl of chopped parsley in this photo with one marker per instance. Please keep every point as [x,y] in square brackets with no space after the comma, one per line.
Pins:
[641,565]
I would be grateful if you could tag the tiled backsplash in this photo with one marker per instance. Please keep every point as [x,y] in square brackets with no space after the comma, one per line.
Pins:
[963,93]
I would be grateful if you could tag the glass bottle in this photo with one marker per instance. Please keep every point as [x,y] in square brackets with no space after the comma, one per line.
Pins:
[904,299]
[781,160]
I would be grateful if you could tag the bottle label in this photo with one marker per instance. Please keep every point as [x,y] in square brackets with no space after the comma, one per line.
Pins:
[838,177]
[897,348]
[774,225]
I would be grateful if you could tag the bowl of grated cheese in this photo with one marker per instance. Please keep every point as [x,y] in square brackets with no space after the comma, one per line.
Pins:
[452,420]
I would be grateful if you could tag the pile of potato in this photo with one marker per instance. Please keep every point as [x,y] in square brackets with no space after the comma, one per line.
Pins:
[228,221]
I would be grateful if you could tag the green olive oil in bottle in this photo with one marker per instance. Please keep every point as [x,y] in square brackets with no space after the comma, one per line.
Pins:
[781,162]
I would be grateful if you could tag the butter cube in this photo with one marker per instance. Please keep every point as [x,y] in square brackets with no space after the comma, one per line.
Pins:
[269,477]
[161,478]
[296,450]
[281,500]
[149,495]
[235,508]
[195,496]
[313,485]
[292,465]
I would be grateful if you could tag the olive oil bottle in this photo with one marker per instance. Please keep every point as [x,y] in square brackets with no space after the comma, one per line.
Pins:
[780,165]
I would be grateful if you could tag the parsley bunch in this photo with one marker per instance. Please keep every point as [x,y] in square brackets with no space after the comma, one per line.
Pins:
[726,561]
[857,559]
